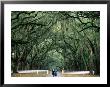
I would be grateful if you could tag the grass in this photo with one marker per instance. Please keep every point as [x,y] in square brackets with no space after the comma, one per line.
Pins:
[44,74]
[39,74]
[79,75]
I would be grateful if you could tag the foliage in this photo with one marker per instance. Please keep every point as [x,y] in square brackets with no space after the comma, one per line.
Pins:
[55,39]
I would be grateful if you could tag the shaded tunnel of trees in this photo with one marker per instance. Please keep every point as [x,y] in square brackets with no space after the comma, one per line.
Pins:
[68,40]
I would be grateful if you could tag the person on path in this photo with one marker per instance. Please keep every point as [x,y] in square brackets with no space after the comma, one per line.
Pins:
[53,72]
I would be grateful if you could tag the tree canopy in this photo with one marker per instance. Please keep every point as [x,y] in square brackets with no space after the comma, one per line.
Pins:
[55,39]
